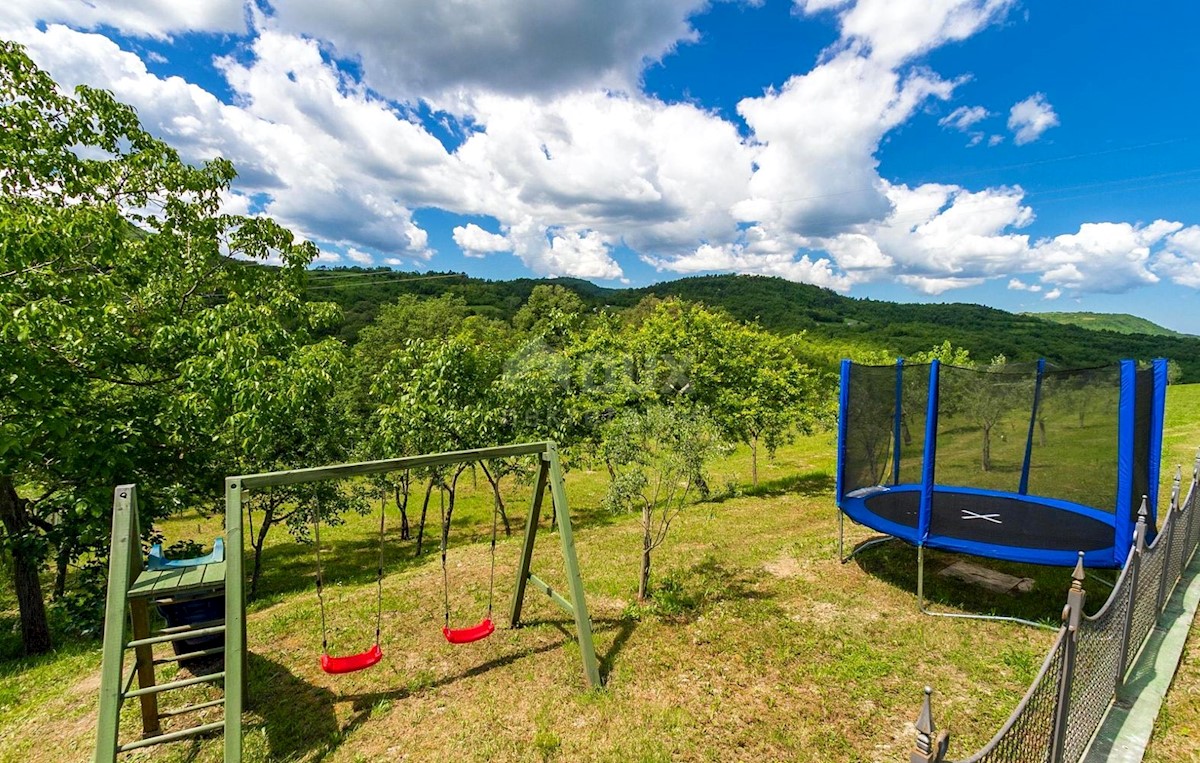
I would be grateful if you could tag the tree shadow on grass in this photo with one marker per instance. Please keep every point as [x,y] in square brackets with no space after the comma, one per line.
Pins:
[809,485]
[895,562]
[289,568]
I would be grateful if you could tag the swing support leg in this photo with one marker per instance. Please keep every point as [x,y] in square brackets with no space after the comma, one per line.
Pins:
[531,526]
[550,471]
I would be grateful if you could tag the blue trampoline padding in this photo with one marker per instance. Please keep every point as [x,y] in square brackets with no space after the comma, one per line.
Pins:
[156,560]
[986,523]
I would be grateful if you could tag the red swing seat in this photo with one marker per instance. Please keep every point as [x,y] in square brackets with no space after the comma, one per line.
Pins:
[351,662]
[466,635]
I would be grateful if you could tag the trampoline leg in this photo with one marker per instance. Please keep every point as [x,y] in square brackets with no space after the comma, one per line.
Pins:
[921,578]
[841,546]
[863,546]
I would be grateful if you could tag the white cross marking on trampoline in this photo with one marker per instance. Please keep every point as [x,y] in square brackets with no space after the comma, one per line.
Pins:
[989,517]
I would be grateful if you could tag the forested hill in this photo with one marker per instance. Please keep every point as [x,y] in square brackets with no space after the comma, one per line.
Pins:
[1122,323]
[786,307]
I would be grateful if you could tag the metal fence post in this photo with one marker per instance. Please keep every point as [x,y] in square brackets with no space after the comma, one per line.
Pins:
[1072,616]
[929,748]
[1135,566]
[1186,557]
[1165,585]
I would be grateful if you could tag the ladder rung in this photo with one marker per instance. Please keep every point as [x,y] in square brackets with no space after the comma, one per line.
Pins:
[191,708]
[185,628]
[189,655]
[172,736]
[177,635]
[177,684]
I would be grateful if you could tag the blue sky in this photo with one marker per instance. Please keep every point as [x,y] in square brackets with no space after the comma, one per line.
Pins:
[1030,156]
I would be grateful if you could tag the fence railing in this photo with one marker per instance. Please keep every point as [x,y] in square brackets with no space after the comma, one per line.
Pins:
[1092,656]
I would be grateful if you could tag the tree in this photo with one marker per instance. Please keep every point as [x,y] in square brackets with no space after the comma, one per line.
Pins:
[135,327]
[551,312]
[751,383]
[658,457]
[767,395]
[441,395]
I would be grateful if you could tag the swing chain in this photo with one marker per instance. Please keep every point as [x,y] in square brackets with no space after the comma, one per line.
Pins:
[492,574]
[379,571]
[445,540]
[320,576]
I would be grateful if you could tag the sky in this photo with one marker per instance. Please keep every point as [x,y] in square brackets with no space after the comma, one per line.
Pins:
[1026,155]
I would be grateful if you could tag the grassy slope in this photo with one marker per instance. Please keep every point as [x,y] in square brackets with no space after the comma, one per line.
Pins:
[768,648]
[1122,323]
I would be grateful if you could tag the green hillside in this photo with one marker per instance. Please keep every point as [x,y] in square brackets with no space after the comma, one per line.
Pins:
[1122,323]
[785,307]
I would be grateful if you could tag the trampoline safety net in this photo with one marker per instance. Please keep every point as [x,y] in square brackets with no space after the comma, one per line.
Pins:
[1017,429]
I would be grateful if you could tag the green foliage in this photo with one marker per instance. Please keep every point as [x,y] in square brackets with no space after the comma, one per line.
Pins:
[141,341]
[656,459]
[835,326]
[944,353]
[550,313]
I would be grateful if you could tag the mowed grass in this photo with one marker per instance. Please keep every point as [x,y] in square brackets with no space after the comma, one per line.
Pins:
[760,645]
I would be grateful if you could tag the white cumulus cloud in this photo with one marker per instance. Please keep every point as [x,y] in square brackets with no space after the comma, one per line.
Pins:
[556,142]
[476,242]
[1102,257]
[140,18]
[1029,118]
[896,31]
[1180,258]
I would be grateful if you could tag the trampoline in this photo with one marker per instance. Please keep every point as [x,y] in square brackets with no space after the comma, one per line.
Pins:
[1019,463]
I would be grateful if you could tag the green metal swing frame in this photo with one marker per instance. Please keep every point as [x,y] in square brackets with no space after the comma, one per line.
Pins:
[126,570]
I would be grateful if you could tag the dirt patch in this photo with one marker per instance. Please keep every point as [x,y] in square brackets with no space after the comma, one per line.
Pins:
[89,685]
[784,567]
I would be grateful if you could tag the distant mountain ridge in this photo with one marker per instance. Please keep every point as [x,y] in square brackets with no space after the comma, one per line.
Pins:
[785,307]
[1122,323]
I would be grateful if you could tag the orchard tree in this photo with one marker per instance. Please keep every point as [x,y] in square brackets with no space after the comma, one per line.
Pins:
[659,458]
[767,395]
[135,326]
[751,383]
[551,313]
[441,395]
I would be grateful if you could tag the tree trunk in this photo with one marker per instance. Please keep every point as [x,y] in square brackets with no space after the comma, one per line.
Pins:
[647,547]
[35,629]
[498,501]
[257,542]
[754,461]
[987,448]
[62,563]
[402,505]
[424,511]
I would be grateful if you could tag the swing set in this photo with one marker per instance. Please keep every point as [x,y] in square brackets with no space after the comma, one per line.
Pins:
[135,581]
[362,660]
[549,475]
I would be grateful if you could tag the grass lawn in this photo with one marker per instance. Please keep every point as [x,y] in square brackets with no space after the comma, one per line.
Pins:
[760,645]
